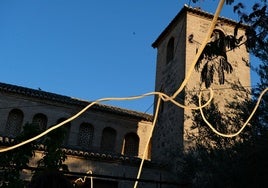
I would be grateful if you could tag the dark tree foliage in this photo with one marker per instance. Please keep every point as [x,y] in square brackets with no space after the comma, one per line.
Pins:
[52,163]
[257,45]
[214,56]
[217,161]
[244,162]
[12,162]
[54,157]
[226,123]
[257,31]
[213,140]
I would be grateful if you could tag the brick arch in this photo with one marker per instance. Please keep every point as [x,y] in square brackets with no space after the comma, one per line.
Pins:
[14,122]
[85,135]
[108,139]
[131,144]
[40,120]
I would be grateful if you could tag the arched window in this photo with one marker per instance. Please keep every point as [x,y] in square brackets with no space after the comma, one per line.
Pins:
[40,120]
[170,50]
[66,127]
[14,123]
[85,136]
[131,144]
[108,139]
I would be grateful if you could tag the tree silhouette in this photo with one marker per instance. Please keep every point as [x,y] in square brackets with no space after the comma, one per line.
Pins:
[214,55]
[12,162]
[244,163]
[54,157]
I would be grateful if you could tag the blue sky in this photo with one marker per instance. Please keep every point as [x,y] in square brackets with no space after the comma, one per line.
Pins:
[86,49]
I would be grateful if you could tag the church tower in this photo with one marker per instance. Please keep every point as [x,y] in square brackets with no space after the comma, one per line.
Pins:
[176,48]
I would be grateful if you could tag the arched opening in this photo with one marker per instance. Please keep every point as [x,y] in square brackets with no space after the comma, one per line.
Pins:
[40,120]
[85,136]
[170,50]
[14,123]
[108,139]
[131,144]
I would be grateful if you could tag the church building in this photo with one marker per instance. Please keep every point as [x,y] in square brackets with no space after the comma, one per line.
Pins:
[107,143]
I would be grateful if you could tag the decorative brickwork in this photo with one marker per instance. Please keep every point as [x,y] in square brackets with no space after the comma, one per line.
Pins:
[14,123]
[85,136]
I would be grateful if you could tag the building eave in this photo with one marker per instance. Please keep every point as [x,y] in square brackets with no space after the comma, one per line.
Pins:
[183,11]
[43,95]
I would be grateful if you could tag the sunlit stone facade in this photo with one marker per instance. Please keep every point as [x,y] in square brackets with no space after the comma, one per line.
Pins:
[176,48]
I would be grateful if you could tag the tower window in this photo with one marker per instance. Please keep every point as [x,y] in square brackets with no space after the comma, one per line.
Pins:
[170,50]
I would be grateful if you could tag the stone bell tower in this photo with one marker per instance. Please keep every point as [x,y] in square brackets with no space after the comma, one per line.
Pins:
[176,48]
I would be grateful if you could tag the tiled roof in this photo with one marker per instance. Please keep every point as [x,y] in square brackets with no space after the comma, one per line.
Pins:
[101,156]
[196,11]
[39,94]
